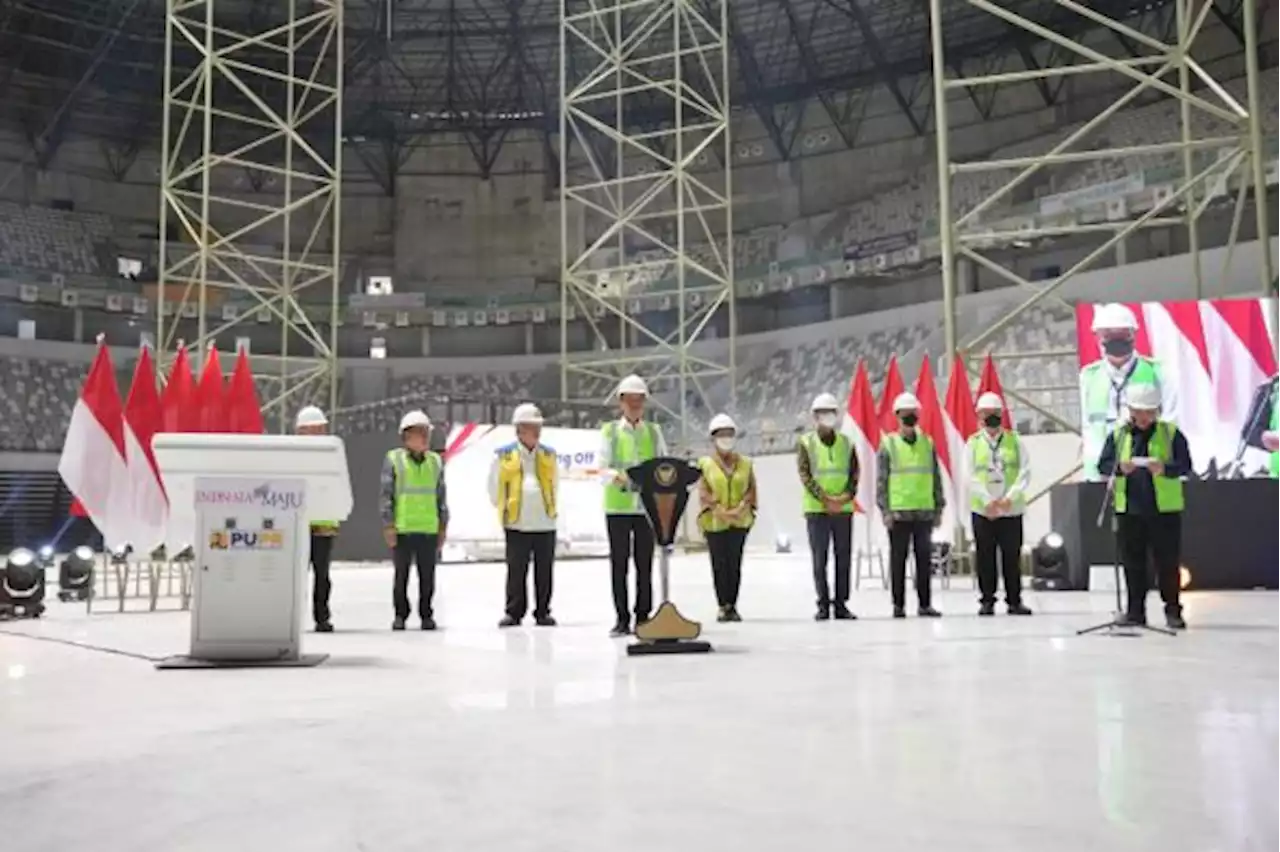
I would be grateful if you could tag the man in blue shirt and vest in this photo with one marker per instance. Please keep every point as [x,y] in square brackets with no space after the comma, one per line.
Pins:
[1148,457]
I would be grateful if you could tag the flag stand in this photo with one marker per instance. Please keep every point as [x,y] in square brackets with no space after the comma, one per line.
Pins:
[873,559]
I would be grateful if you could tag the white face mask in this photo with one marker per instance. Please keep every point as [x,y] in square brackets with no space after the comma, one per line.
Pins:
[724,445]
[827,421]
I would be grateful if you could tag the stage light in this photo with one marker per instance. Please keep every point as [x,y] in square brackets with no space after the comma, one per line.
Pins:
[75,575]
[1049,564]
[1184,576]
[46,556]
[22,585]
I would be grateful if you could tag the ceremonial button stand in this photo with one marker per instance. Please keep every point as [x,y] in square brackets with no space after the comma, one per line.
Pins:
[245,502]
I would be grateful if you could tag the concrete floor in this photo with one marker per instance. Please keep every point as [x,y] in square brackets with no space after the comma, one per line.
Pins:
[957,734]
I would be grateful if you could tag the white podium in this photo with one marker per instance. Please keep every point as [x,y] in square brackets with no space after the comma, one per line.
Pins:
[248,501]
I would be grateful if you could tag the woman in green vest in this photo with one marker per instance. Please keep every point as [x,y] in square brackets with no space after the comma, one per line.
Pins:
[727,492]
[1147,458]
[311,421]
[415,515]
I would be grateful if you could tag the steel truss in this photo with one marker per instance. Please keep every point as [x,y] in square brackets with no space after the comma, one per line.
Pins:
[646,218]
[1239,153]
[251,164]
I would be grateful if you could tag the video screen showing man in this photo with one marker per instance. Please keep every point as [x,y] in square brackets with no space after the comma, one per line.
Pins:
[1261,432]
[1104,383]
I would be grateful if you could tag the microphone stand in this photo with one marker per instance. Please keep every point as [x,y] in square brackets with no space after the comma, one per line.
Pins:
[1117,627]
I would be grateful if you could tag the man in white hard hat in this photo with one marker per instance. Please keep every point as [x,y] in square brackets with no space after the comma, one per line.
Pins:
[524,484]
[910,497]
[415,516]
[1148,457]
[1104,383]
[727,510]
[828,467]
[999,473]
[624,443]
[311,421]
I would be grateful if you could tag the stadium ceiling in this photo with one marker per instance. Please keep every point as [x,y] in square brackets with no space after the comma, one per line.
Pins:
[485,69]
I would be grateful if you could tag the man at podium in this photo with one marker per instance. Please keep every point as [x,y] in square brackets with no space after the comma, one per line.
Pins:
[415,515]
[311,421]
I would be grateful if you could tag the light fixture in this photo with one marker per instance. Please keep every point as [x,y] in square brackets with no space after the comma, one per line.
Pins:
[22,585]
[1184,576]
[75,575]
[46,555]
[1049,564]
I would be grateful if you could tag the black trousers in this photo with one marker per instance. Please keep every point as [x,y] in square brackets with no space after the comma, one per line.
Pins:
[999,539]
[831,532]
[321,555]
[1148,541]
[412,548]
[521,547]
[725,548]
[917,536]
[631,536]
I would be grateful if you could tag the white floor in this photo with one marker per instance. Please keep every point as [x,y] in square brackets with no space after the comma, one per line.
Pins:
[957,734]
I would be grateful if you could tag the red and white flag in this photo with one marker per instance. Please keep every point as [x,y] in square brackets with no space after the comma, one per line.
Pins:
[862,425]
[178,402]
[989,382]
[93,462]
[143,418]
[961,423]
[211,395]
[244,414]
[893,386]
[933,423]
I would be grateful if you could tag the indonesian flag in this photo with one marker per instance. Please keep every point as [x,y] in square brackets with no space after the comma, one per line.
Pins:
[961,422]
[93,462]
[143,418]
[893,386]
[244,414]
[989,382]
[932,422]
[862,425]
[211,396]
[178,403]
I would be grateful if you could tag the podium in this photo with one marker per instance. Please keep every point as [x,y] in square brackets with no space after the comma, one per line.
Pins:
[245,503]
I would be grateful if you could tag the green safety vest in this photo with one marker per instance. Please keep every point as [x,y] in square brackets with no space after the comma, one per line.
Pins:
[910,473]
[1010,458]
[1169,498]
[627,448]
[830,469]
[1095,382]
[1275,426]
[729,490]
[416,484]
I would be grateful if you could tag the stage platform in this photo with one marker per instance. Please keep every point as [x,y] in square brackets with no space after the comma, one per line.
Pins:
[998,734]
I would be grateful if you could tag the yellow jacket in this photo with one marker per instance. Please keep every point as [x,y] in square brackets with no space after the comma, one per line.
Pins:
[508,484]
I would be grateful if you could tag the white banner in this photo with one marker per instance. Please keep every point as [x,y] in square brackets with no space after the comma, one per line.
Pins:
[473,521]
[1094,194]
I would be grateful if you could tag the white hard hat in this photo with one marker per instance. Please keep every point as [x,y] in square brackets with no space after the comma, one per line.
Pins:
[721,421]
[311,416]
[906,402]
[824,402]
[415,418]
[1143,397]
[633,384]
[526,414]
[1113,316]
[989,402]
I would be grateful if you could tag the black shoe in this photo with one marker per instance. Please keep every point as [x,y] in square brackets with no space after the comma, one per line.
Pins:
[823,613]
[509,621]
[398,624]
[722,614]
[899,612]
[987,609]
[620,629]
[428,623]
[640,619]
[928,612]
[324,627]
[1131,620]
[842,613]
[733,614]
[1019,609]
[544,621]
[1175,621]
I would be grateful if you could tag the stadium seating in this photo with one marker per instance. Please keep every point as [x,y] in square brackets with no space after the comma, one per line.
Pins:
[46,240]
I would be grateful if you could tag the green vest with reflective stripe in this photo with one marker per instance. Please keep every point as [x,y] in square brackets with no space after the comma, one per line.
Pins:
[1010,458]
[910,474]
[627,448]
[729,490]
[1275,426]
[830,469]
[1169,498]
[416,484]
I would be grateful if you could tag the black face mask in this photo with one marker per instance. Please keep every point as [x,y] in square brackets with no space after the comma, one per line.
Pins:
[910,419]
[991,420]
[1118,347]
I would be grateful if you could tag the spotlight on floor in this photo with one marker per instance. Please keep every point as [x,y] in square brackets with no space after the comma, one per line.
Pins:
[22,585]
[75,575]
[46,556]
[1184,577]
[1049,565]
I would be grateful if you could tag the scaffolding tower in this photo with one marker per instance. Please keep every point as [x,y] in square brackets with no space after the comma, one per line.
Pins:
[645,198]
[1210,162]
[250,176]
